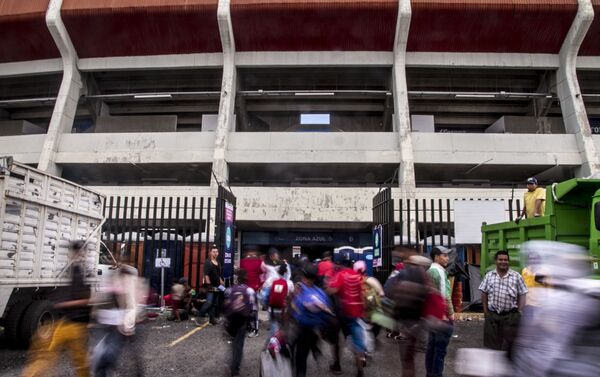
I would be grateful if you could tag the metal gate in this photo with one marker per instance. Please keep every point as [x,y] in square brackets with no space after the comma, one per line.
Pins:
[225,234]
[140,229]
[383,219]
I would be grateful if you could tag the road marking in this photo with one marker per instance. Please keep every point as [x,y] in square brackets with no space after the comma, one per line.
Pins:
[190,333]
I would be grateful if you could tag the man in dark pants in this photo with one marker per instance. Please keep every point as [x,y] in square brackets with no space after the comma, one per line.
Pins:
[503,297]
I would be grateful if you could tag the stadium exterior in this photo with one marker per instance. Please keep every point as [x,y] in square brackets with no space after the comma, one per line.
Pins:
[303,108]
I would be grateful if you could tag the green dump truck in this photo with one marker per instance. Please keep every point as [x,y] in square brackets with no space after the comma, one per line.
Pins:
[572,216]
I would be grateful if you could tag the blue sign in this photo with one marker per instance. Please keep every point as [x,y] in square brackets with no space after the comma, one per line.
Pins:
[377,239]
[228,252]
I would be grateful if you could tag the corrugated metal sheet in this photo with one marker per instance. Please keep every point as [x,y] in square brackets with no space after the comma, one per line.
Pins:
[312,25]
[527,26]
[23,32]
[591,43]
[104,28]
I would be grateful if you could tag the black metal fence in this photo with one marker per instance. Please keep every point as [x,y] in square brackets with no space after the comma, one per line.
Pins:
[425,223]
[141,229]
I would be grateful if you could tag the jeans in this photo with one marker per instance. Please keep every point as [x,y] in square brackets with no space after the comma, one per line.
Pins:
[437,346]
[107,352]
[209,306]
[350,326]
[237,349]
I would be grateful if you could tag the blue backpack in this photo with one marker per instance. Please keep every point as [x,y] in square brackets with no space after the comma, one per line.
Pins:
[307,297]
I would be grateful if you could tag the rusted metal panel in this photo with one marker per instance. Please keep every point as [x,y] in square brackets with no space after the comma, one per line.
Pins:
[104,28]
[314,25]
[23,31]
[519,26]
[591,43]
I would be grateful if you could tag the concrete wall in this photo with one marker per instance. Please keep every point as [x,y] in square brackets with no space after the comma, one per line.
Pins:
[527,149]
[284,147]
[135,123]
[136,147]
[24,148]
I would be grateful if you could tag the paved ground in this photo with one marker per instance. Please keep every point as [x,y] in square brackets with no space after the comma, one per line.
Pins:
[181,349]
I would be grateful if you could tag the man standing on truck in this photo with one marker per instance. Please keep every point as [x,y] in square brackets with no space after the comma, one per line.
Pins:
[534,200]
[503,294]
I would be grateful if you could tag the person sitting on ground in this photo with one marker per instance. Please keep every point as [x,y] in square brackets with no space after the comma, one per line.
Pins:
[177,295]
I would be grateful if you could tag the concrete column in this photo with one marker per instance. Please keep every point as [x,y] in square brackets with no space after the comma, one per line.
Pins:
[569,93]
[68,94]
[406,174]
[227,102]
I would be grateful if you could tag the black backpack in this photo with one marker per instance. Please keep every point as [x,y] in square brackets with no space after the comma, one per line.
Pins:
[406,293]
[237,305]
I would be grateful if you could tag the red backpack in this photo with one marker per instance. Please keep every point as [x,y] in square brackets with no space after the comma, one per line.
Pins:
[278,294]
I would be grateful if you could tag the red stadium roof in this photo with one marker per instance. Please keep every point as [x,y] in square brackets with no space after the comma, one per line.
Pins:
[526,26]
[314,25]
[23,31]
[102,28]
[591,43]
[106,28]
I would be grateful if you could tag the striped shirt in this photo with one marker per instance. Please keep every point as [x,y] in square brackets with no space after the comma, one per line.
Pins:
[503,292]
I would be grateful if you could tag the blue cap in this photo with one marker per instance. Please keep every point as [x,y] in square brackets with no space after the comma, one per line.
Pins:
[532,181]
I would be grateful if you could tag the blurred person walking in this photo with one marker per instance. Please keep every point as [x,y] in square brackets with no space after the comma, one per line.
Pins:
[212,277]
[407,290]
[311,310]
[70,332]
[348,285]
[503,297]
[439,338]
[238,307]
[271,264]
[251,264]
[275,294]
[117,314]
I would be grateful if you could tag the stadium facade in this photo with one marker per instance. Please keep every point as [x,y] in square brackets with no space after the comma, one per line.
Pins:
[305,109]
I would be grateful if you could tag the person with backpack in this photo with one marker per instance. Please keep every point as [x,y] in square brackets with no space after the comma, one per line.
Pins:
[310,309]
[348,285]
[275,294]
[251,263]
[238,307]
[372,293]
[407,291]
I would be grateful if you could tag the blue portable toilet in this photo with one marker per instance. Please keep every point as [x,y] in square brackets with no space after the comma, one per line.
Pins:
[366,255]
[343,253]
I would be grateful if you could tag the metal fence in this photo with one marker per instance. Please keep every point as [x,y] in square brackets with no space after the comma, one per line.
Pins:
[140,229]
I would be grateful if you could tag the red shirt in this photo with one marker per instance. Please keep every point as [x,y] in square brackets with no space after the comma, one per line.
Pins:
[325,268]
[350,289]
[253,272]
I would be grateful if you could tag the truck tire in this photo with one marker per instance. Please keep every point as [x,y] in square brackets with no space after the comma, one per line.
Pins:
[37,314]
[13,322]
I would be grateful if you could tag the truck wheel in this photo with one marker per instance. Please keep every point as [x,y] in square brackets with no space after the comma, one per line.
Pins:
[39,314]
[13,321]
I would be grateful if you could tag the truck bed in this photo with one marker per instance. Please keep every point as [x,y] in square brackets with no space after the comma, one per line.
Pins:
[39,216]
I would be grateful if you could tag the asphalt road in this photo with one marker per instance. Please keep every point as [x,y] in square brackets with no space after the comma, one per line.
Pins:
[182,349]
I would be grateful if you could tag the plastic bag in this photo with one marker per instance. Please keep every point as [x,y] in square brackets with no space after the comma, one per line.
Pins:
[274,366]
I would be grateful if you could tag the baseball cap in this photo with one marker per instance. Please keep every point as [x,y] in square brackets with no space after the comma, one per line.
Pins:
[532,181]
[419,260]
[438,250]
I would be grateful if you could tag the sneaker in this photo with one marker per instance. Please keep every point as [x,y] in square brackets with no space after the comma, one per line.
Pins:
[335,368]
[253,334]
[200,322]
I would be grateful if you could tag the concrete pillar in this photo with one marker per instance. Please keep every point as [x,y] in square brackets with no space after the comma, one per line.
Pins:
[68,94]
[569,93]
[406,174]
[227,102]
